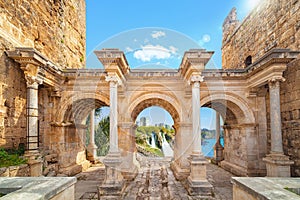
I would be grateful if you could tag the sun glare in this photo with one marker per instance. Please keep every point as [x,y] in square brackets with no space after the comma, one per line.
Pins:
[252,3]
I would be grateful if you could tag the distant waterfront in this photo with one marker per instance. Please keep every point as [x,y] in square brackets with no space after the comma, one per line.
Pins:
[208,147]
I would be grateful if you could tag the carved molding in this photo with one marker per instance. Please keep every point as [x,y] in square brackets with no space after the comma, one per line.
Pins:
[274,82]
[113,79]
[195,80]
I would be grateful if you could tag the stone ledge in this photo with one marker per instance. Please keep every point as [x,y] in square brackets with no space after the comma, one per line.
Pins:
[264,188]
[34,188]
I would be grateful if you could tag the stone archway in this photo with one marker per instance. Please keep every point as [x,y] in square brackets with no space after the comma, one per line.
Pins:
[126,130]
[155,101]
[240,134]
[70,123]
[75,108]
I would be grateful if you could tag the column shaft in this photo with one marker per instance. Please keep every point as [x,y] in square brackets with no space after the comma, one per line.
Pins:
[275,117]
[113,117]
[92,128]
[196,118]
[32,117]
[218,128]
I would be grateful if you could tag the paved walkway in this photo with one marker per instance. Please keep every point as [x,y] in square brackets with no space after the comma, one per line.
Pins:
[155,181]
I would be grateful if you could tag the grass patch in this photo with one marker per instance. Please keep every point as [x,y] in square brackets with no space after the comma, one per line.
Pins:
[293,190]
[154,151]
[11,158]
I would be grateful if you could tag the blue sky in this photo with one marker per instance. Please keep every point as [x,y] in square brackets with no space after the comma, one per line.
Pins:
[156,33]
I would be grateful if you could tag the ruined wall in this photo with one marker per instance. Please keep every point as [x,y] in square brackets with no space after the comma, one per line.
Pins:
[273,24]
[290,113]
[56,28]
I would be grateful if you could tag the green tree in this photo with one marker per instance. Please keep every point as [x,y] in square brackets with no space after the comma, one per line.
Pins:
[102,137]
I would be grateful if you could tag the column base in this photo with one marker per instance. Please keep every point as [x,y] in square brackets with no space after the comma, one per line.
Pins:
[197,182]
[201,188]
[91,153]
[113,185]
[35,162]
[179,172]
[130,174]
[278,165]
[218,153]
[110,191]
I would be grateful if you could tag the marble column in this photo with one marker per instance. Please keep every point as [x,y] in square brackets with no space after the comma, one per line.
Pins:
[218,147]
[32,152]
[195,81]
[181,164]
[197,181]
[275,117]
[113,184]
[92,148]
[278,165]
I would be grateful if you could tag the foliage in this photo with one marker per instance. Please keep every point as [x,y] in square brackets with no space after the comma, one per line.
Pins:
[144,134]
[7,159]
[208,134]
[155,151]
[102,137]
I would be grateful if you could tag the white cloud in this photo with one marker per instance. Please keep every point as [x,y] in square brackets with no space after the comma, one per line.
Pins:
[149,52]
[158,34]
[128,49]
[173,49]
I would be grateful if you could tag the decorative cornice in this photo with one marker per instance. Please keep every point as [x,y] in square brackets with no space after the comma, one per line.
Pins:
[194,61]
[111,58]
[36,66]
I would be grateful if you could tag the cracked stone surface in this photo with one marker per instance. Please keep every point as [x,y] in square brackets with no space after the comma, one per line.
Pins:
[155,181]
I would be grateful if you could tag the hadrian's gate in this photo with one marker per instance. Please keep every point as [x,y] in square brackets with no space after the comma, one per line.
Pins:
[239,96]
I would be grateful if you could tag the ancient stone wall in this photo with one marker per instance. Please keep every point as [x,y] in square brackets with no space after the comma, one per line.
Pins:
[12,101]
[56,28]
[290,113]
[273,24]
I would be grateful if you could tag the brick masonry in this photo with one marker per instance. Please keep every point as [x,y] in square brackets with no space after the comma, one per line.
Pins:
[56,28]
[273,24]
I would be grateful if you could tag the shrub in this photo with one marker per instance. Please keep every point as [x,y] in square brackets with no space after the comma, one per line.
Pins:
[7,159]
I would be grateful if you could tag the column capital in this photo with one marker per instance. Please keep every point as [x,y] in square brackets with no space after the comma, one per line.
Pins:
[33,81]
[196,80]
[114,79]
[275,81]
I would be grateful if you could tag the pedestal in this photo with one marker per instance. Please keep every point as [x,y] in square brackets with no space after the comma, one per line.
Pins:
[218,152]
[91,153]
[278,165]
[113,185]
[197,182]
[180,172]
[35,162]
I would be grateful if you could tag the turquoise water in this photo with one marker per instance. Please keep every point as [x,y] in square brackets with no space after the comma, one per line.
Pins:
[208,147]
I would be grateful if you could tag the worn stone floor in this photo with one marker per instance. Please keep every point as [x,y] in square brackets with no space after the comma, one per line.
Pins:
[155,181]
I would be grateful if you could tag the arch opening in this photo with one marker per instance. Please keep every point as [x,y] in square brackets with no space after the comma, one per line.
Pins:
[155,134]
[155,102]
[78,110]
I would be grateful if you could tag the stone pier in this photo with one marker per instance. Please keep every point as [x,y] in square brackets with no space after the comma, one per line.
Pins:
[278,164]
[218,157]
[197,181]
[92,148]
[113,184]
[32,152]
